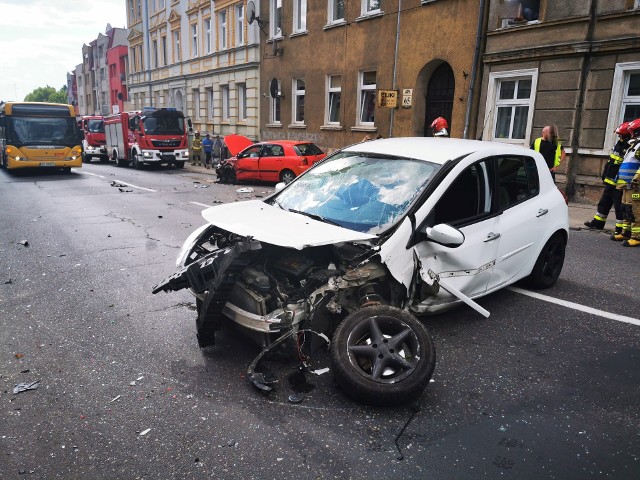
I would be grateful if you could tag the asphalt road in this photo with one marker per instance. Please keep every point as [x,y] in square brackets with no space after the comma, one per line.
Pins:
[538,390]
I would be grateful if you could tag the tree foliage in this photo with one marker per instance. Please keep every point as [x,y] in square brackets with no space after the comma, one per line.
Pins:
[48,94]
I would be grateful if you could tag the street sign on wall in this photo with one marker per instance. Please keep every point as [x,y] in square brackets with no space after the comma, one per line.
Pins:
[387,98]
[407,97]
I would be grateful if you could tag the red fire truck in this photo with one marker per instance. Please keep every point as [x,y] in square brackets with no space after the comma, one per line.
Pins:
[152,136]
[93,144]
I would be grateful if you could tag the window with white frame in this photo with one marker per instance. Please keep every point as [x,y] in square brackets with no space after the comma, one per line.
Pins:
[336,11]
[625,99]
[207,35]
[298,101]
[224,93]
[334,93]
[165,56]
[275,26]
[366,98]
[510,101]
[194,40]
[274,109]
[222,29]
[240,24]
[370,7]
[176,46]
[242,101]
[299,16]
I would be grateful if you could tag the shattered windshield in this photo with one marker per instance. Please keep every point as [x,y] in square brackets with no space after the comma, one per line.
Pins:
[363,192]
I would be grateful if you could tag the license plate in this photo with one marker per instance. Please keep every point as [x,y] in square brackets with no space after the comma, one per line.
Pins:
[47,164]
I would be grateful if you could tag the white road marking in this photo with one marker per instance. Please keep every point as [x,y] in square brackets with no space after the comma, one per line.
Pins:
[202,204]
[577,306]
[89,173]
[134,186]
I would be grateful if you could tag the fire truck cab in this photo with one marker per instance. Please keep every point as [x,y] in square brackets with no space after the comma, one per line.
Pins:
[93,143]
[151,136]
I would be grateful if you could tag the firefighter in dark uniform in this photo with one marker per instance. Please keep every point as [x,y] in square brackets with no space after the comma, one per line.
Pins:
[628,181]
[611,196]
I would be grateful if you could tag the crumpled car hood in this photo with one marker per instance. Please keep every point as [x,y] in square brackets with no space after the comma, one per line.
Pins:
[273,225]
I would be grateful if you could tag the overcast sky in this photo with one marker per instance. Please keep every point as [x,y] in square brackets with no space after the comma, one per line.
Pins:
[41,40]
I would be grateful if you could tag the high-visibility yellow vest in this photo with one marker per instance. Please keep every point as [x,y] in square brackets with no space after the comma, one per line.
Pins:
[557,159]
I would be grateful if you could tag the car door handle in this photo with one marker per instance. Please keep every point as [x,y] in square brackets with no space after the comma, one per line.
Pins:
[542,211]
[492,236]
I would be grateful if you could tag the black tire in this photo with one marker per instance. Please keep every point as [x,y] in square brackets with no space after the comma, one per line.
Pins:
[179,164]
[382,355]
[137,164]
[549,263]
[85,158]
[287,176]
[66,169]
[104,158]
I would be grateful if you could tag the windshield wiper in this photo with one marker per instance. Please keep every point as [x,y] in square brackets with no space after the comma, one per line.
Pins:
[314,216]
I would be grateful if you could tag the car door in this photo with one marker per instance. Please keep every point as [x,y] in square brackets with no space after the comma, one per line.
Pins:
[467,205]
[270,163]
[247,165]
[522,221]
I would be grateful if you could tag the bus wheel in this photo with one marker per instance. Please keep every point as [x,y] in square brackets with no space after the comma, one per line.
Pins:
[66,169]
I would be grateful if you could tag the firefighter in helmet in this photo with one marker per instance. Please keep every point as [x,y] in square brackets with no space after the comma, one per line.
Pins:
[611,196]
[196,149]
[439,127]
[628,181]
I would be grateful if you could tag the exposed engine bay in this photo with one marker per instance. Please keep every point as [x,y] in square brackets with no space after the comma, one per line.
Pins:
[275,292]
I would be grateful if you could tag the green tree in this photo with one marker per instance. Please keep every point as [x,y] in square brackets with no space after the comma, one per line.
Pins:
[48,94]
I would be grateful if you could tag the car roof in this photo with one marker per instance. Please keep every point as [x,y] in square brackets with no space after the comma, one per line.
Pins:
[432,149]
[282,142]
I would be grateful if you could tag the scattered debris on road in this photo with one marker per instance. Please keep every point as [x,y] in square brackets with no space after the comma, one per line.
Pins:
[23,387]
[144,432]
[245,190]
[24,243]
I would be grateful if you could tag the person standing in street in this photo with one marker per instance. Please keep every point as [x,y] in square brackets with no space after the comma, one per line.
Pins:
[550,147]
[207,146]
[611,196]
[629,182]
[196,150]
[217,150]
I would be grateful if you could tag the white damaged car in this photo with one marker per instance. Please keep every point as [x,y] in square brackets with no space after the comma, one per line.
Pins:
[367,240]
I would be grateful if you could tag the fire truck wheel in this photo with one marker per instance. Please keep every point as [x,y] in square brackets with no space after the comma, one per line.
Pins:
[136,162]
[179,164]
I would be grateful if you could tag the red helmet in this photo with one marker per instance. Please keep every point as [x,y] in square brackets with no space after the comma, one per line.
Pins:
[440,126]
[623,129]
[634,127]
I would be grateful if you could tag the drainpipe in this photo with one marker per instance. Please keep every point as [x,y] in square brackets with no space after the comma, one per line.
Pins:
[572,163]
[147,49]
[474,68]
[395,66]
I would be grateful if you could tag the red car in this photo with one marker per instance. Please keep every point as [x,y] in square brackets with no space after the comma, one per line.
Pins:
[276,161]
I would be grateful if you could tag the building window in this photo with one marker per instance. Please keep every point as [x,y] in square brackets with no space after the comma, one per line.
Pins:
[510,101]
[209,93]
[133,60]
[299,16]
[165,56]
[196,103]
[161,5]
[242,101]
[336,11]
[207,35]
[222,33]
[154,47]
[225,102]
[275,10]
[240,24]
[625,99]
[194,40]
[370,7]
[176,46]
[298,101]
[366,98]
[334,91]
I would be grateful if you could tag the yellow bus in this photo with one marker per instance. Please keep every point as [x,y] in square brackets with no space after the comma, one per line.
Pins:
[42,135]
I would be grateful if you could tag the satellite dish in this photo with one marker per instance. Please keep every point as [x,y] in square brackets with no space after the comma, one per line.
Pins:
[274,88]
[251,12]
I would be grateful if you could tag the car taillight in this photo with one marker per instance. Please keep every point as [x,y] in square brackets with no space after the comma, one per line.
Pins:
[303,161]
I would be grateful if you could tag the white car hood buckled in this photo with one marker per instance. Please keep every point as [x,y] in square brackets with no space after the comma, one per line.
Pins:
[273,225]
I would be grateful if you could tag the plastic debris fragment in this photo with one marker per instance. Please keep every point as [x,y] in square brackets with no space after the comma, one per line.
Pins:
[23,387]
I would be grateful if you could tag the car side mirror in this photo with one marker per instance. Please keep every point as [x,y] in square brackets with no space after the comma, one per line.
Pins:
[280,186]
[445,235]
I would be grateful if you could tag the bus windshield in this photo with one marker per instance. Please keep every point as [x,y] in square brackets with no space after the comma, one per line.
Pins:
[57,131]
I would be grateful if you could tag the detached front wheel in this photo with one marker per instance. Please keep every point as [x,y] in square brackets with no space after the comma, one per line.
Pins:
[382,356]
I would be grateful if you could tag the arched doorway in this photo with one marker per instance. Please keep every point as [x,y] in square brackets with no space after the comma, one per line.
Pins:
[439,97]
[177,98]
